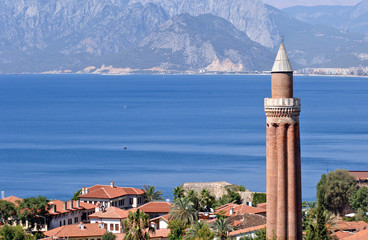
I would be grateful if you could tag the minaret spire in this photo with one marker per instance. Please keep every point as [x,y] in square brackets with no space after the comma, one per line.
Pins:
[282,63]
[283,154]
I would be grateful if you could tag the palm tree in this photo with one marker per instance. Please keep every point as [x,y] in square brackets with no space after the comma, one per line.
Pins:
[193,197]
[206,200]
[136,225]
[183,210]
[178,192]
[199,231]
[222,227]
[152,195]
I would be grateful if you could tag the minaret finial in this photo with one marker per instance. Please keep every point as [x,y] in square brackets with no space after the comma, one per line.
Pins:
[282,38]
[282,63]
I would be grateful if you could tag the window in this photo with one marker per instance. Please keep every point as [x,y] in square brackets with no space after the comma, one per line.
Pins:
[123,201]
[76,220]
[131,201]
[64,222]
[105,226]
[70,221]
[111,227]
[116,227]
[61,223]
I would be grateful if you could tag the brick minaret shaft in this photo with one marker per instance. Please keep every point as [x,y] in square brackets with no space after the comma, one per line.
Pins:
[284,207]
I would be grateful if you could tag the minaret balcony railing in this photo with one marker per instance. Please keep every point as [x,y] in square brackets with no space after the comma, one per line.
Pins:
[282,107]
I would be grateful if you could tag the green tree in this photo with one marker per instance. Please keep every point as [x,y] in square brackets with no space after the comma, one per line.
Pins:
[321,192]
[230,197]
[177,229]
[339,186]
[360,214]
[14,233]
[199,231]
[207,200]
[135,226]
[76,194]
[33,209]
[222,227]
[178,192]
[108,236]
[193,197]
[152,195]
[359,200]
[184,211]
[321,229]
[7,210]
[258,198]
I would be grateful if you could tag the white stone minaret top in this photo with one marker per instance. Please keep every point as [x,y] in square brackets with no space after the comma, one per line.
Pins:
[282,63]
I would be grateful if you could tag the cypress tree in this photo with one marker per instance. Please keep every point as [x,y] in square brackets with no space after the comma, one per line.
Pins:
[321,231]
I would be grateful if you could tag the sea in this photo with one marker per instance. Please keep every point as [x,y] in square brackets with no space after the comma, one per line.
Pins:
[59,133]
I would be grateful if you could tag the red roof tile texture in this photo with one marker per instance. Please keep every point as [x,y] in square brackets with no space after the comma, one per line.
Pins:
[60,210]
[238,209]
[109,192]
[159,233]
[90,230]
[359,174]
[13,200]
[246,230]
[112,213]
[156,207]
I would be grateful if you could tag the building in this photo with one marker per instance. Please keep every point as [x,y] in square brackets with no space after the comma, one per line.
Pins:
[246,232]
[284,208]
[13,199]
[156,209]
[67,213]
[88,231]
[111,218]
[113,196]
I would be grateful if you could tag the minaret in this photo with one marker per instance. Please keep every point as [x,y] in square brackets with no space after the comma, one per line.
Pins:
[284,206]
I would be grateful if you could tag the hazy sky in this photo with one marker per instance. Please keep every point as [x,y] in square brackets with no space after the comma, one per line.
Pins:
[289,3]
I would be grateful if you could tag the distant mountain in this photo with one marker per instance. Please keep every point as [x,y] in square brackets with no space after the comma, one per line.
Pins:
[249,16]
[345,18]
[120,35]
[201,42]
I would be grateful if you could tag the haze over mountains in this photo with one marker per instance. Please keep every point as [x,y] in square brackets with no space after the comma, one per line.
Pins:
[215,35]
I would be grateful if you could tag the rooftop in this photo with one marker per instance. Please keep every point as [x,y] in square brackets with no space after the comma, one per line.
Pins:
[89,230]
[247,230]
[13,199]
[112,213]
[359,174]
[238,209]
[156,207]
[60,210]
[110,192]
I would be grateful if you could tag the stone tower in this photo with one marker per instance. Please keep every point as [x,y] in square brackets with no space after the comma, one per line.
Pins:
[284,213]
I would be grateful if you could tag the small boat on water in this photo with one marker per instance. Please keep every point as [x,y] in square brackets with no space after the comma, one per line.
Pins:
[125,147]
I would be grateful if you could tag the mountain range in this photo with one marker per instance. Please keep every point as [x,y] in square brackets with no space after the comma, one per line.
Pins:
[165,35]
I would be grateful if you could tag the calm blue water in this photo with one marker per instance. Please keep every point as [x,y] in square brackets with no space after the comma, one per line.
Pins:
[59,133]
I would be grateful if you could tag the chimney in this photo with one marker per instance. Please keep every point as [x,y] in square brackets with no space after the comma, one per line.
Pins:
[71,204]
[101,225]
[81,225]
[53,208]
[83,190]
[112,184]
[78,203]
[64,206]
[232,211]
[98,207]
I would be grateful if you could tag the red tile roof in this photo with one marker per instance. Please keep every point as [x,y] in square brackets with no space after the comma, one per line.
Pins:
[156,207]
[246,230]
[164,217]
[13,200]
[112,213]
[238,209]
[90,230]
[359,174]
[262,205]
[358,235]
[343,235]
[108,192]
[59,207]
[350,226]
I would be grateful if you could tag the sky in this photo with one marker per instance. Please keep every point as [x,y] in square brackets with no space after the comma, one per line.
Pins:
[289,3]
